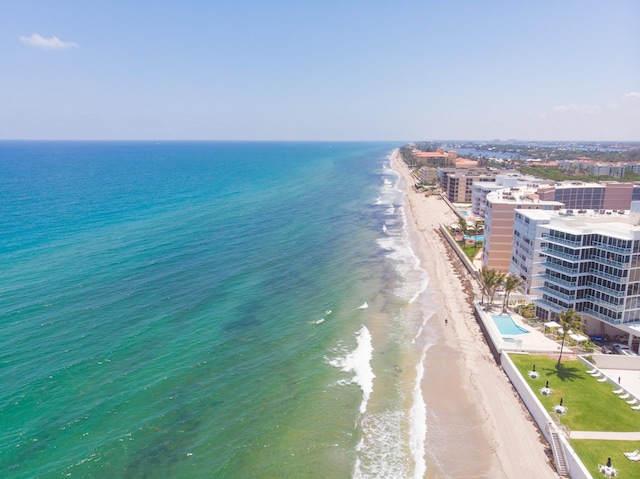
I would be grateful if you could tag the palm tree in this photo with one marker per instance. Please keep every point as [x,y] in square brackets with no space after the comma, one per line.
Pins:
[489,279]
[498,280]
[569,320]
[510,284]
[475,233]
[464,228]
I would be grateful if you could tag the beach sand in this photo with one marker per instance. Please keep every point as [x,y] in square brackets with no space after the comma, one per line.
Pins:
[476,424]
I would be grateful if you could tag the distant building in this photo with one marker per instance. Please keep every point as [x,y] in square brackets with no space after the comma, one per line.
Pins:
[481,189]
[440,158]
[427,175]
[580,195]
[457,184]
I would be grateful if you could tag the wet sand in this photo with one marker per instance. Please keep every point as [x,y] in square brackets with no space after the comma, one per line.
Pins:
[476,425]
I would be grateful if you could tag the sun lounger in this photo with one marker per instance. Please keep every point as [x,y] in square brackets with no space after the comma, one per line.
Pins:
[631,454]
[632,401]
[591,371]
[596,374]
[602,380]
[634,458]
[618,391]
[624,396]
[636,408]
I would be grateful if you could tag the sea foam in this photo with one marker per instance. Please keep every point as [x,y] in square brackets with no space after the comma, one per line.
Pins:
[358,362]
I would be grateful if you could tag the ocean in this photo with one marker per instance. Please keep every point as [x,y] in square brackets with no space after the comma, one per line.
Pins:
[209,310]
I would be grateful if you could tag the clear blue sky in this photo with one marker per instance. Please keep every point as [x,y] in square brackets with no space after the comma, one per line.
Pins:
[320,70]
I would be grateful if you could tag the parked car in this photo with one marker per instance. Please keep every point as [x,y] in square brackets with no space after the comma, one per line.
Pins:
[606,349]
[623,349]
[599,340]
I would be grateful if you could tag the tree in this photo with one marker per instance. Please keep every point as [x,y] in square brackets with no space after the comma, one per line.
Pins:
[569,320]
[499,279]
[475,232]
[488,281]
[510,284]
[464,228]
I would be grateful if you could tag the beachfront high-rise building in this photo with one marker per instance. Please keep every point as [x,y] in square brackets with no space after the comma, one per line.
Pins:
[592,264]
[610,196]
[592,196]
[481,189]
[499,220]
[457,184]
[528,242]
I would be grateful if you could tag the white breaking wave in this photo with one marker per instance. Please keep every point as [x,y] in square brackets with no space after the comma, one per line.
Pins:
[364,305]
[358,362]
[413,278]
[381,451]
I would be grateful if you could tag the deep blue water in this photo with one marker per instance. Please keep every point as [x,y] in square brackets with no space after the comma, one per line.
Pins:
[225,310]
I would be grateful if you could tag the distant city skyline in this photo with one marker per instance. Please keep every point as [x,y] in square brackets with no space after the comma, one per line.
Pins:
[284,70]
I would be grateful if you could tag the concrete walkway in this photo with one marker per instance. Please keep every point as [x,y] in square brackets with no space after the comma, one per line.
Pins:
[605,435]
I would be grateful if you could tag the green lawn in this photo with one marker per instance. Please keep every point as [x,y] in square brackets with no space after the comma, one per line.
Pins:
[591,406]
[592,453]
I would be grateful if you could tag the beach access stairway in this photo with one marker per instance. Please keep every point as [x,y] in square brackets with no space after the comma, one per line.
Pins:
[558,451]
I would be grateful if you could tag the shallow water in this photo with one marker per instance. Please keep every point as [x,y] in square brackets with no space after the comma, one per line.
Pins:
[194,310]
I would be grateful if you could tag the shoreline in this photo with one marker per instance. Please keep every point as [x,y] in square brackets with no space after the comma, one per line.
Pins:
[476,424]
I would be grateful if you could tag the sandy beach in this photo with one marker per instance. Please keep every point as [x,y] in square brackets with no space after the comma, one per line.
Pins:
[476,425]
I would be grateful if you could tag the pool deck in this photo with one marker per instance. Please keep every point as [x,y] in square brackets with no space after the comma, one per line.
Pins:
[537,343]
[533,341]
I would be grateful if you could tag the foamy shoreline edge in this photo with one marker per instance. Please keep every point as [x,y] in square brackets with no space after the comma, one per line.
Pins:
[477,426]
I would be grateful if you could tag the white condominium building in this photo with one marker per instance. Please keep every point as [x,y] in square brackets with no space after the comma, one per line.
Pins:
[592,264]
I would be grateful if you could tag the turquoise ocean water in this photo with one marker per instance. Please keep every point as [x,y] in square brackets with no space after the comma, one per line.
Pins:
[214,310]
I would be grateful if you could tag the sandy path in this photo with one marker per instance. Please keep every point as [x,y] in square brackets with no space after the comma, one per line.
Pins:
[476,425]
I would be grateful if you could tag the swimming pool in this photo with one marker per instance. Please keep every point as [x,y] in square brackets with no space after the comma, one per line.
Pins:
[506,325]
[474,238]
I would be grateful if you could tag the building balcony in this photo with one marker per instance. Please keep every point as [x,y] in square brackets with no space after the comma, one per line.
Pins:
[604,289]
[564,242]
[610,277]
[605,304]
[558,254]
[608,262]
[602,317]
[614,249]
[555,280]
[552,292]
[550,305]
[560,268]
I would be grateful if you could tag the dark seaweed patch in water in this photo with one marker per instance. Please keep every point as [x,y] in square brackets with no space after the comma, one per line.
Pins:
[167,447]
